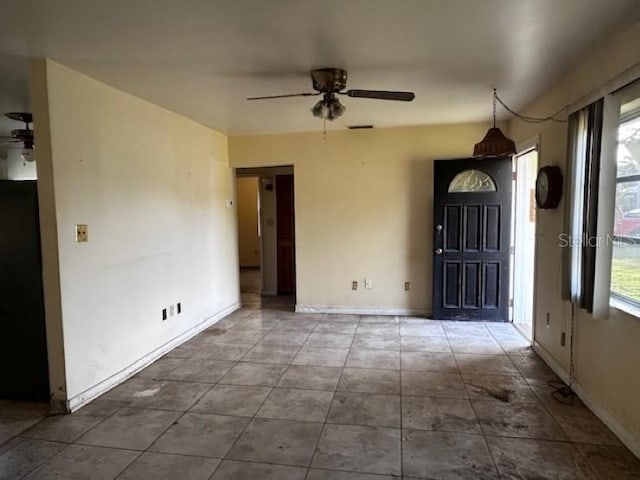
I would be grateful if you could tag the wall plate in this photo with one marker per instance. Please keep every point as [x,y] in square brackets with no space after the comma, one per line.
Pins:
[82,233]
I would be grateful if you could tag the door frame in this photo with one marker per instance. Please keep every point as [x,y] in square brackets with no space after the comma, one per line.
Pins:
[528,330]
[268,221]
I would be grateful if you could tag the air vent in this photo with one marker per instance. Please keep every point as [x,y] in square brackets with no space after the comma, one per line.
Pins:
[359,127]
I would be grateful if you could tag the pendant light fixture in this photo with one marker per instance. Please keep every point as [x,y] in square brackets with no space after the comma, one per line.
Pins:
[494,143]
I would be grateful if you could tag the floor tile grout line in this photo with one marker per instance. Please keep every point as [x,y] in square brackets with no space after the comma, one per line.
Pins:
[478,422]
[324,424]
[67,444]
[550,413]
[49,460]
[486,441]
[188,410]
[251,420]
[401,405]
[458,368]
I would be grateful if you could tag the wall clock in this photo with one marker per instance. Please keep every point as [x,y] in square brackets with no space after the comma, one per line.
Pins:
[548,187]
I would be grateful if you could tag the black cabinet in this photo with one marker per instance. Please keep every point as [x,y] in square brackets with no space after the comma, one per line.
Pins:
[23,344]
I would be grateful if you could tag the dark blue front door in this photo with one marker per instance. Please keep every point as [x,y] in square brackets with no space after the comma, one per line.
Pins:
[472,214]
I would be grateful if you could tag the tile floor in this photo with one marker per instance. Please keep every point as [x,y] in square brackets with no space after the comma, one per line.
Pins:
[269,394]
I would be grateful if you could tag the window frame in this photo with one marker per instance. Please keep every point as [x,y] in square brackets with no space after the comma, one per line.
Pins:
[619,300]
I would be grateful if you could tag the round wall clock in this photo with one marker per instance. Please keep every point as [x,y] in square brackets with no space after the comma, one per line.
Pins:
[548,187]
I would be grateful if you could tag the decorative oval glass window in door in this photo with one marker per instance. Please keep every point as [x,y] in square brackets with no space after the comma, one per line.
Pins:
[472,181]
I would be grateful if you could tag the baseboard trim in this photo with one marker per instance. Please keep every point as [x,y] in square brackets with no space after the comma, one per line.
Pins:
[345,310]
[631,441]
[78,401]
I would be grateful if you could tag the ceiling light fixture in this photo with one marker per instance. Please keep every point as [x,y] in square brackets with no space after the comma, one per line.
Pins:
[24,135]
[329,108]
[28,154]
[494,143]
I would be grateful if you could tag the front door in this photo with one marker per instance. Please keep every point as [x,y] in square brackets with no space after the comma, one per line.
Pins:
[472,214]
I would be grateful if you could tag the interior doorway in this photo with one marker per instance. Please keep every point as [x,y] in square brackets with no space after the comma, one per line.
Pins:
[266,231]
[524,240]
[248,205]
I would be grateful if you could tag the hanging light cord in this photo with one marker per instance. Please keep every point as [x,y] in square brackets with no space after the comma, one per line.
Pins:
[564,393]
[527,118]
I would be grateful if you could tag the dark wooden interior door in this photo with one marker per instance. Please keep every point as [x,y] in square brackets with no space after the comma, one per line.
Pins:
[285,224]
[472,214]
[24,371]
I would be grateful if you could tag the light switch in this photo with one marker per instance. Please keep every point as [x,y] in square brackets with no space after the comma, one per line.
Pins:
[82,233]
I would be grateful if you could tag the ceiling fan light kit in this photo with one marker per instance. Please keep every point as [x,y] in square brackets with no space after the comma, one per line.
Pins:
[330,82]
[329,108]
[24,135]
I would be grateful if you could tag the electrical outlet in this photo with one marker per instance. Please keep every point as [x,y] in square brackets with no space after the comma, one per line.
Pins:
[164,314]
[407,286]
[367,283]
[172,310]
[82,233]
[548,319]
[354,285]
[179,307]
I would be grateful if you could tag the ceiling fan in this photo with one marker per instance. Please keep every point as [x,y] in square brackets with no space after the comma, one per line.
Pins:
[21,135]
[330,82]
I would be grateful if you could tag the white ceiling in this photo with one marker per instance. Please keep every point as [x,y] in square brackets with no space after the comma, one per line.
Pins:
[201,58]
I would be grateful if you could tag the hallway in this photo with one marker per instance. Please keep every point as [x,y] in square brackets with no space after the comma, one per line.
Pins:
[271,394]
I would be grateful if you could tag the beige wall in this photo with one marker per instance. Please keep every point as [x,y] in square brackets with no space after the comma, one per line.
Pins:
[363,203]
[247,206]
[152,187]
[607,352]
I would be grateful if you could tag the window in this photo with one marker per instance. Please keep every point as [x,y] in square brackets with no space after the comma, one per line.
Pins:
[601,254]
[472,181]
[625,263]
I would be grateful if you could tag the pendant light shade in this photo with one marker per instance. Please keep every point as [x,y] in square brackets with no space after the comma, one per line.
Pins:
[494,143]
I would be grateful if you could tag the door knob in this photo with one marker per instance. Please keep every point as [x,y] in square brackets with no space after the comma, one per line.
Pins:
[438,251]
[438,228]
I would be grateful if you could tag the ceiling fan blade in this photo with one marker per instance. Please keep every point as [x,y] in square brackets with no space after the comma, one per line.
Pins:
[381,95]
[285,96]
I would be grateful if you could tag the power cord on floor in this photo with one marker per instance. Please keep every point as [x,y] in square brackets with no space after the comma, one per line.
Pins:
[564,393]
